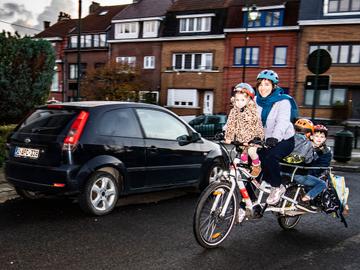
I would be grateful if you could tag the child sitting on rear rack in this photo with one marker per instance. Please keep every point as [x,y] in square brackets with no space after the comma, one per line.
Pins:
[244,125]
[321,158]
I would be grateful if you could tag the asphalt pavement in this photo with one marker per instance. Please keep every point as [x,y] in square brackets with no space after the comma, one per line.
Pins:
[56,234]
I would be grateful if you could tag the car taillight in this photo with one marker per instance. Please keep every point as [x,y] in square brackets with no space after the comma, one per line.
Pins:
[75,131]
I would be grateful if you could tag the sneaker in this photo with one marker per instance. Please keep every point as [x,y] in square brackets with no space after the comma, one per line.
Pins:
[275,195]
[240,216]
[255,170]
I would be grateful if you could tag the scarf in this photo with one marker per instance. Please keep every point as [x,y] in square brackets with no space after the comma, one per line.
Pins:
[266,103]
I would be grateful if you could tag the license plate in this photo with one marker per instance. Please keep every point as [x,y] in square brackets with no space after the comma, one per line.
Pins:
[26,152]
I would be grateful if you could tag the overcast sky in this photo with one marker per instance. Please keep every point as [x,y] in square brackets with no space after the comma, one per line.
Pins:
[32,13]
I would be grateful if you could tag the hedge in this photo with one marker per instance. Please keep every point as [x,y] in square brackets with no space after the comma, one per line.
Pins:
[4,132]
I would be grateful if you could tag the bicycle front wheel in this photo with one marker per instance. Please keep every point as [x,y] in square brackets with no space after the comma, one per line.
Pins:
[210,227]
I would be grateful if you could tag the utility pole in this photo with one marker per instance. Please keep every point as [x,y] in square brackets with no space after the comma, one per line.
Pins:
[77,96]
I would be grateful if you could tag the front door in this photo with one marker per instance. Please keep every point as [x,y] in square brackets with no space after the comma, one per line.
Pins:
[208,102]
[167,162]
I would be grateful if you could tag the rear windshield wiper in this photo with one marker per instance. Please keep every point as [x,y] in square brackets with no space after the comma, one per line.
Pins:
[38,129]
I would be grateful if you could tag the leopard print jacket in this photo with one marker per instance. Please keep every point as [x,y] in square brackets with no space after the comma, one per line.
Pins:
[244,124]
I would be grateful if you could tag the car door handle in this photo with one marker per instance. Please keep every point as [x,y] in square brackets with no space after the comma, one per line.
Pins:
[153,149]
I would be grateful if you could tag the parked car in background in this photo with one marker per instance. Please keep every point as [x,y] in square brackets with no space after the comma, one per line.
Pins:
[209,124]
[99,151]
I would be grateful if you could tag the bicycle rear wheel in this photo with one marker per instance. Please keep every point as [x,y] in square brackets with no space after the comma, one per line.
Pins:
[210,228]
[288,222]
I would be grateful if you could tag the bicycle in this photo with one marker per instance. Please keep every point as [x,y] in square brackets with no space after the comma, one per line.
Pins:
[227,199]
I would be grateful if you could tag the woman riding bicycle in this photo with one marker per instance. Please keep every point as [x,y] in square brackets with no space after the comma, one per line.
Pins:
[276,110]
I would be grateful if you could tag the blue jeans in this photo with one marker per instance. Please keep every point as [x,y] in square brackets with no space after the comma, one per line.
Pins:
[316,184]
[270,158]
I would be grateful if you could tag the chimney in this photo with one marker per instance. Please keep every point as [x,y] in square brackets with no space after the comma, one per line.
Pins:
[94,7]
[46,24]
[63,16]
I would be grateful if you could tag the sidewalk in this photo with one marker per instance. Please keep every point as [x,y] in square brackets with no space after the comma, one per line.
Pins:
[7,192]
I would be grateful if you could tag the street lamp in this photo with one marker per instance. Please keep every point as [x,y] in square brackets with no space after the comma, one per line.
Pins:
[252,15]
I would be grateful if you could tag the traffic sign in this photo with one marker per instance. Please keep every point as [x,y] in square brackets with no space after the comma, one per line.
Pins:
[319,61]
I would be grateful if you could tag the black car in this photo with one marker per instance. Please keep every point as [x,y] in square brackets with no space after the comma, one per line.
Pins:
[102,150]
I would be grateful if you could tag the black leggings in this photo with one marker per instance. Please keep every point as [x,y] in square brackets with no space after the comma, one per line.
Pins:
[270,158]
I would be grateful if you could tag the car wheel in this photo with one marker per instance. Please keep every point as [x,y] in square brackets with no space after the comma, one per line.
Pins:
[28,195]
[216,168]
[100,194]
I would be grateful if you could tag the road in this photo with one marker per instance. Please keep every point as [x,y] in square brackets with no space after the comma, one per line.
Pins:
[55,234]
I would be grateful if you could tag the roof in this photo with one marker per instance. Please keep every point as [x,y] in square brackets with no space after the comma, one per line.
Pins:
[96,22]
[189,5]
[260,3]
[144,9]
[59,29]
[96,103]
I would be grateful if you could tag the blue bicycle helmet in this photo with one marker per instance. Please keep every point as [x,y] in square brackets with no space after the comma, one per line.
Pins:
[270,75]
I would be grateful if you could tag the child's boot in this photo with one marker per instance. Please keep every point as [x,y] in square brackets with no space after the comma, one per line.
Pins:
[255,170]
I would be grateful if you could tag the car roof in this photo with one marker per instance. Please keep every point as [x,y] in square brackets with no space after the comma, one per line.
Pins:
[93,104]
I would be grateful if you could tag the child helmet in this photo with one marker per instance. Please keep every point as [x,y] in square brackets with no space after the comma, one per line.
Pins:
[246,88]
[321,128]
[268,74]
[304,125]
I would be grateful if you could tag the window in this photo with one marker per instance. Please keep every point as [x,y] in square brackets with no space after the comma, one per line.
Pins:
[341,6]
[128,60]
[197,24]
[88,41]
[193,61]
[102,40]
[127,30]
[182,97]
[341,53]
[112,123]
[55,81]
[73,42]
[250,59]
[160,125]
[150,29]
[149,62]
[280,56]
[266,18]
[331,97]
[73,71]
[149,96]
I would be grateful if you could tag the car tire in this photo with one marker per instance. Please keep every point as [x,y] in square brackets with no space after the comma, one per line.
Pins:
[28,195]
[100,194]
[211,176]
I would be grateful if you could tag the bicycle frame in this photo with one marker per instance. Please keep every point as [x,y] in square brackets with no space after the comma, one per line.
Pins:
[236,180]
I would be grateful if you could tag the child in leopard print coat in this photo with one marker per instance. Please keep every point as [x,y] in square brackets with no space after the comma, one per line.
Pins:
[244,124]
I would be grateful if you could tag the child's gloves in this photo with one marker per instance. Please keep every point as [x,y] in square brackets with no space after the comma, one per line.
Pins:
[271,142]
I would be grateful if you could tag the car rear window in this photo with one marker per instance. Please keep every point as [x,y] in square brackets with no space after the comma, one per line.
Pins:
[47,121]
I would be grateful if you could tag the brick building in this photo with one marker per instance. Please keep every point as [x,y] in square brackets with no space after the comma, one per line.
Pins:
[57,35]
[333,25]
[136,40]
[192,57]
[270,42]
[94,47]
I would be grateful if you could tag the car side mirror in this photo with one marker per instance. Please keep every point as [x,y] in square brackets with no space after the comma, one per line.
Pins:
[183,140]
